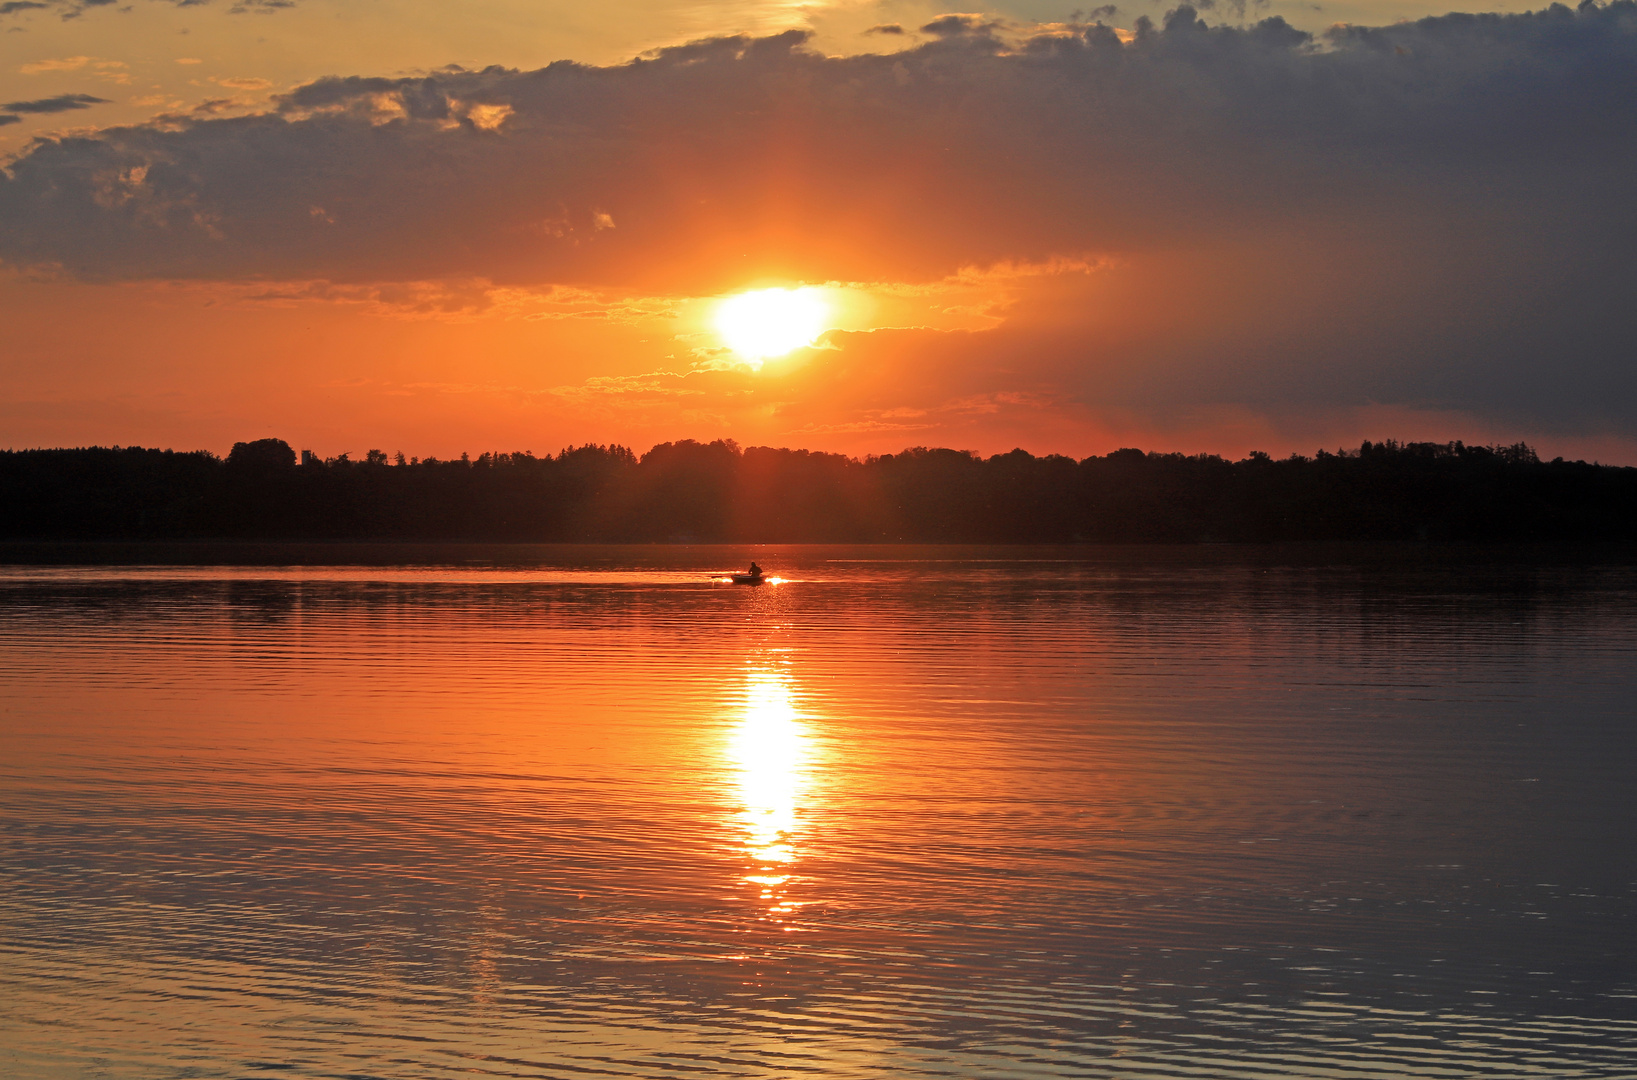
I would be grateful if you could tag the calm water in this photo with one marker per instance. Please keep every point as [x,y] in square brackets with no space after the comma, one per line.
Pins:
[910,813]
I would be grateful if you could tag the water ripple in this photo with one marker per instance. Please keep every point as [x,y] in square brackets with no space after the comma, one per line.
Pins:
[903,814]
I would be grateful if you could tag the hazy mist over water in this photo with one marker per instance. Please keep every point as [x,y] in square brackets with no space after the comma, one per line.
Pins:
[911,812]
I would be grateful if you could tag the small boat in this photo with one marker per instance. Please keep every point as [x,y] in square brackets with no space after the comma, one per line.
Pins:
[748,579]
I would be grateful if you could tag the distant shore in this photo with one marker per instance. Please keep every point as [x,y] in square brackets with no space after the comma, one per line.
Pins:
[718,493]
[523,556]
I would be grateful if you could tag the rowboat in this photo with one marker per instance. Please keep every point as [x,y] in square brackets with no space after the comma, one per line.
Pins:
[748,579]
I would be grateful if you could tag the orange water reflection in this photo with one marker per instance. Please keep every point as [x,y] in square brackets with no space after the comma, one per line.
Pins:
[773,756]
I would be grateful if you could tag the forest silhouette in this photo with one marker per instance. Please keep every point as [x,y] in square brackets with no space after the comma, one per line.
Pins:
[691,492]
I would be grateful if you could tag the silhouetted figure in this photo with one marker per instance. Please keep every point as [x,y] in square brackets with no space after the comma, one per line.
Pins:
[754,571]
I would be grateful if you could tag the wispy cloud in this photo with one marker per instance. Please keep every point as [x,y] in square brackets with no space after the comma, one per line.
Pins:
[66,63]
[244,83]
[73,9]
[60,103]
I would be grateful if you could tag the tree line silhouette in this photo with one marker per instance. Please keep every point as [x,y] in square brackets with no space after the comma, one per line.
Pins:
[717,492]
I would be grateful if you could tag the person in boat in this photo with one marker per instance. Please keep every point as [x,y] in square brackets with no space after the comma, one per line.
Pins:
[754,571]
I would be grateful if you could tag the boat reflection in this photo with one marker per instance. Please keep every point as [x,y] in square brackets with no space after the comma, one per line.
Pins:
[772,754]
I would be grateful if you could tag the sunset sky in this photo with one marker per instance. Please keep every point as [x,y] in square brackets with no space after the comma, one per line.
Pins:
[511,225]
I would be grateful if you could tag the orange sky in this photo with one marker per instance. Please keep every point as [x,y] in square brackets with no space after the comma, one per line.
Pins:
[1215,235]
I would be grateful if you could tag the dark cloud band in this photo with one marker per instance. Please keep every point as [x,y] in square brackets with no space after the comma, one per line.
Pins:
[958,150]
[902,165]
[60,103]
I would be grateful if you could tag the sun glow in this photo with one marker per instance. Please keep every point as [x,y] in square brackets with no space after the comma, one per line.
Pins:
[771,322]
[769,749]
[769,746]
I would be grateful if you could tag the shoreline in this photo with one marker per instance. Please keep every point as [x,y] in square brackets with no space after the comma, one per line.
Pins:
[445,553]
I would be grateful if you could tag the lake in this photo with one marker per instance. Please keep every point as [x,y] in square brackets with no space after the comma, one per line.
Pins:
[907,812]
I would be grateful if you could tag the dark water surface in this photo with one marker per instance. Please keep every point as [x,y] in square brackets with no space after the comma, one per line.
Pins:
[911,813]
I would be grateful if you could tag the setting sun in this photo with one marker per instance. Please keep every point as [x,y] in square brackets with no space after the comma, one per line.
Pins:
[771,322]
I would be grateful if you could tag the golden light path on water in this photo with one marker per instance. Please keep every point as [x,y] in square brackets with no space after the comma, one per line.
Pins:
[771,752]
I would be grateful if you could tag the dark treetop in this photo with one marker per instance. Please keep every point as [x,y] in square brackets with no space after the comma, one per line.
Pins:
[693,492]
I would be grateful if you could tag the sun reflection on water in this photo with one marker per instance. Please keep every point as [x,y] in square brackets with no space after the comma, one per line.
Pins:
[772,754]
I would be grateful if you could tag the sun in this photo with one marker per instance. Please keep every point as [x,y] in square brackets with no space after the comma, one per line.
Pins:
[771,322]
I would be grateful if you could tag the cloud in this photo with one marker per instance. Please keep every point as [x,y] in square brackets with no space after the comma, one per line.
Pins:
[645,387]
[6,119]
[962,25]
[243,83]
[67,63]
[1430,212]
[886,28]
[60,103]
[73,9]
[950,154]
[444,300]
